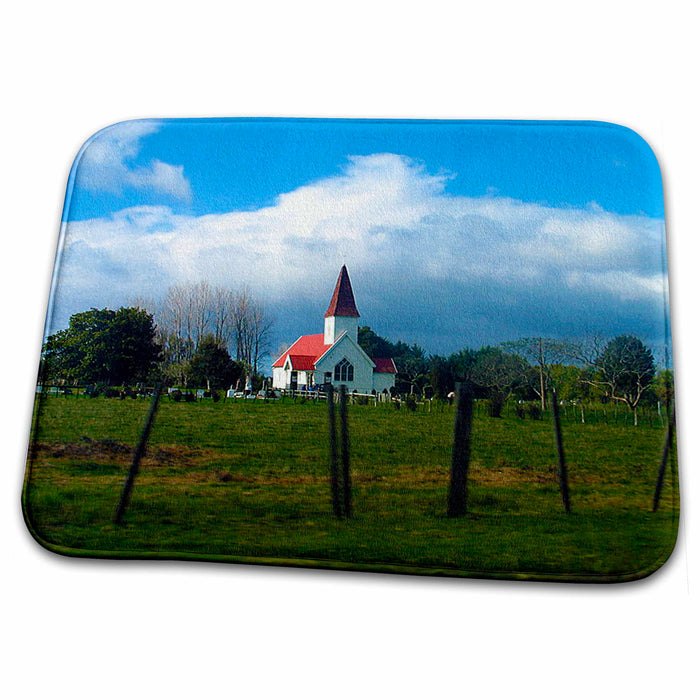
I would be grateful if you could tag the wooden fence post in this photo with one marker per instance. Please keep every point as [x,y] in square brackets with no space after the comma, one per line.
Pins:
[562,471]
[345,451]
[138,455]
[664,459]
[333,450]
[457,499]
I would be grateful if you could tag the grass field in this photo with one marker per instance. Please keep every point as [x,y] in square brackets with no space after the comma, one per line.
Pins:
[248,481]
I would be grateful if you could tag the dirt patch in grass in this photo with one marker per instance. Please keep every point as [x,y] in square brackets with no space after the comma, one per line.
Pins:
[510,477]
[182,463]
[119,452]
[167,455]
[223,476]
[87,447]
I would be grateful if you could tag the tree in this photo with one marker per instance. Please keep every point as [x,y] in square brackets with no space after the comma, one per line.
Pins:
[259,327]
[188,313]
[373,344]
[212,365]
[567,381]
[412,366]
[441,376]
[542,353]
[624,369]
[224,307]
[102,345]
[663,387]
[461,364]
[176,350]
[499,373]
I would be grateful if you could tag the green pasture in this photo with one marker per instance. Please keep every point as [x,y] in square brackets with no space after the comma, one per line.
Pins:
[248,481]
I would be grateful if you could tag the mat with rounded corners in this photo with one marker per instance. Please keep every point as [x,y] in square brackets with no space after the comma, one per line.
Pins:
[429,347]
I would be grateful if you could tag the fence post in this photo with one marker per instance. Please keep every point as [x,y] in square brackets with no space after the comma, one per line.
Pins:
[562,471]
[345,450]
[138,454]
[333,451]
[457,499]
[664,459]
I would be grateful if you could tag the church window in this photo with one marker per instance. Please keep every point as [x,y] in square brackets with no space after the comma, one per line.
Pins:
[344,371]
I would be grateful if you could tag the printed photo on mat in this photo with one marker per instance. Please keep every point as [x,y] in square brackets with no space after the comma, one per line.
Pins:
[431,347]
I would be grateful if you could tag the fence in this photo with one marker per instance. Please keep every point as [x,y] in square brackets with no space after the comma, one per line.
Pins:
[559,412]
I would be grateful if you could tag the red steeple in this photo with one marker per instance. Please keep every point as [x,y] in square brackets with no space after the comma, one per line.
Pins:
[343,300]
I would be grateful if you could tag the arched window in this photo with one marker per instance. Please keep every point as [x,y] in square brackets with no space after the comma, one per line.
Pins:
[344,371]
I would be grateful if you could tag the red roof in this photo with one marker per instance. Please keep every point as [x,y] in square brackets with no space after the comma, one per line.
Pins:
[385,365]
[343,300]
[302,361]
[307,348]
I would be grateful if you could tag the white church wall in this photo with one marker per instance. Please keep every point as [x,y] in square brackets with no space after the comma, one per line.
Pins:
[304,379]
[362,365]
[279,378]
[383,380]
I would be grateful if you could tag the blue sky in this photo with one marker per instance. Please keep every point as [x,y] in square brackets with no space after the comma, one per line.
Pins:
[246,164]
[455,233]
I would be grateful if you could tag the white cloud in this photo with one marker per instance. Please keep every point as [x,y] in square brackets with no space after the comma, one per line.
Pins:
[393,224]
[161,177]
[623,285]
[107,163]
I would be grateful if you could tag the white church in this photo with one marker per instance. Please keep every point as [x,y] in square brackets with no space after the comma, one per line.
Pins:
[334,356]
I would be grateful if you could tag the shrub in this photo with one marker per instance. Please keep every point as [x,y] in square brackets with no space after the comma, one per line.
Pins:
[411,402]
[188,396]
[176,395]
[215,396]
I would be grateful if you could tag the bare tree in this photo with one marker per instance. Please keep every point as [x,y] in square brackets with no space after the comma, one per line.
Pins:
[190,313]
[146,304]
[259,328]
[224,312]
[624,368]
[187,311]
[241,323]
[201,310]
[172,319]
[542,353]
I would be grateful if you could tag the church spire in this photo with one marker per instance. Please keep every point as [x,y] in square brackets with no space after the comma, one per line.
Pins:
[343,300]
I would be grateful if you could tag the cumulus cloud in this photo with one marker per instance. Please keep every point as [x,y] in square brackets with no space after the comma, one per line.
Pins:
[107,163]
[442,270]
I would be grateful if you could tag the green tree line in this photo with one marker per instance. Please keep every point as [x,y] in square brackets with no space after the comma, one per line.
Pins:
[125,347]
[619,370]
